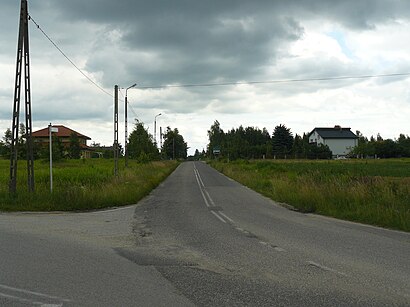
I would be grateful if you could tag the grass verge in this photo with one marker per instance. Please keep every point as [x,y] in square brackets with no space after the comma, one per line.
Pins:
[82,185]
[374,192]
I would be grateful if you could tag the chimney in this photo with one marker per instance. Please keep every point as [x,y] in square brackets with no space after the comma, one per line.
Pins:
[338,127]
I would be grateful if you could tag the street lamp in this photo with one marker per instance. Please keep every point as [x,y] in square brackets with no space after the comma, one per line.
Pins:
[155,128]
[126,124]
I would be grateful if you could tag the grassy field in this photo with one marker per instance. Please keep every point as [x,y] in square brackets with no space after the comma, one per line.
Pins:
[375,192]
[81,184]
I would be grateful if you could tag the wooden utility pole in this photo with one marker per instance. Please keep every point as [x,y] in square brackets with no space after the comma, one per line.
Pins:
[22,54]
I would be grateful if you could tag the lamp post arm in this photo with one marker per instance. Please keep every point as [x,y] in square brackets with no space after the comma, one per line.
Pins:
[126,123]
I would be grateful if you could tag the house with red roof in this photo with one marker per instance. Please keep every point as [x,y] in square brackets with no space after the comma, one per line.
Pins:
[41,137]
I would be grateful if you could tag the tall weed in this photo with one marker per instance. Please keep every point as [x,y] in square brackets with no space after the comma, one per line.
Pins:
[375,192]
[82,185]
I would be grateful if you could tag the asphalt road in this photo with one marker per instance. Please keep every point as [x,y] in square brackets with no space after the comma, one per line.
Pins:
[200,239]
[69,259]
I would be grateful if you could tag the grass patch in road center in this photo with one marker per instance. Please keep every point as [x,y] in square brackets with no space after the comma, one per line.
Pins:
[375,192]
[81,184]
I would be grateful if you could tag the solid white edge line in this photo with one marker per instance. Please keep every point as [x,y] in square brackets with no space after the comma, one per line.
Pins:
[319,266]
[113,209]
[33,293]
[325,268]
[20,299]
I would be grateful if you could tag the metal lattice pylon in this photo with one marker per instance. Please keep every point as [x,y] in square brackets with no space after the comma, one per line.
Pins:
[23,54]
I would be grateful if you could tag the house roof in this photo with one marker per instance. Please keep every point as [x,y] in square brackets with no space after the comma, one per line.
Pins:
[336,132]
[63,131]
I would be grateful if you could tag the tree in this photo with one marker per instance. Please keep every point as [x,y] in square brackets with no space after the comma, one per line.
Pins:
[404,145]
[216,138]
[57,149]
[319,151]
[5,144]
[174,146]
[74,150]
[239,143]
[141,145]
[303,149]
[198,155]
[298,147]
[21,142]
[282,141]
[2,149]
[94,144]
[387,149]
[364,148]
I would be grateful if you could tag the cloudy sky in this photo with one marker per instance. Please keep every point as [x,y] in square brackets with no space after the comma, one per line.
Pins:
[154,43]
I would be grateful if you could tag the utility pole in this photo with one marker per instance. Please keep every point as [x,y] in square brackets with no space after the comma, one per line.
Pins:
[155,129]
[126,124]
[173,148]
[115,147]
[22,54]
[160,139]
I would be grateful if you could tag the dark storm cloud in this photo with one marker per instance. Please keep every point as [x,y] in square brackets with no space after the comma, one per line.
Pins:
[192,41]
[204,41]
[192,48]
[179,42]
[354,13]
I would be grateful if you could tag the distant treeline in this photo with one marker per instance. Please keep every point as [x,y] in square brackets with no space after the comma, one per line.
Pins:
[254,143]
[382,148]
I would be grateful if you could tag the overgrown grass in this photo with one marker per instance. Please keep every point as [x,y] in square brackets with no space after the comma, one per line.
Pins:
[375,192]
[81,184]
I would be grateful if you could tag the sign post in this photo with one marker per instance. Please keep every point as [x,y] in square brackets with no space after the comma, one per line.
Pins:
[216,150]
[51,129]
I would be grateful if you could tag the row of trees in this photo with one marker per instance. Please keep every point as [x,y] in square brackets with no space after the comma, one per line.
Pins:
[382,148]
[141,146]
[253,143]
[239,143]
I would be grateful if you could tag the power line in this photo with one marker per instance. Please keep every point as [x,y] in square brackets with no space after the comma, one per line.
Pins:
[68,59]
[121,100]
[276,81]
[119,89]
[132,110]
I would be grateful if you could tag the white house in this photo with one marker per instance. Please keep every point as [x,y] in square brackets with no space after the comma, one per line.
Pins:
[341,141]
